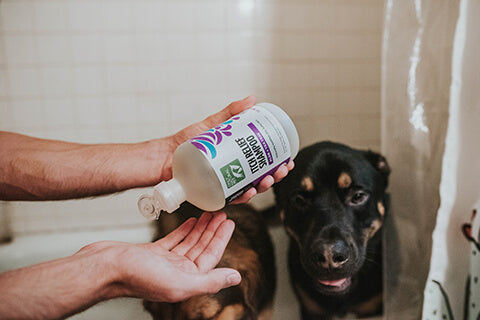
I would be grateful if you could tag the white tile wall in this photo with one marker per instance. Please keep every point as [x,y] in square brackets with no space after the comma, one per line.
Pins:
[124,71]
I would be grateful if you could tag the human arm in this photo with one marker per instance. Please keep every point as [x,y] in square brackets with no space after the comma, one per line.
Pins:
[41,169]
[171,269]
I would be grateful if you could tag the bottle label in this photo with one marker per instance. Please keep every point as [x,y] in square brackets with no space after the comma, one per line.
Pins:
[244,149]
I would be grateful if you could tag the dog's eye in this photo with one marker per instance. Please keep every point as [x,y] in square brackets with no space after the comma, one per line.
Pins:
[358,198]
[298,201]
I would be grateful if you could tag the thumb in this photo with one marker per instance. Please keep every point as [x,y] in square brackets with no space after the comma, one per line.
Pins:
[216,280]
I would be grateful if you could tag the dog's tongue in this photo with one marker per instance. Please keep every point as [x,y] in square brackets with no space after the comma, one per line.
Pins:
[333,283]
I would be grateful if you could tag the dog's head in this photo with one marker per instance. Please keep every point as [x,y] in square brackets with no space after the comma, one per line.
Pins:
[332,205]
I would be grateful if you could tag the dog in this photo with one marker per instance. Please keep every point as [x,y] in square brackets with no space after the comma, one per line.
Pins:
[332,205]
[250,251]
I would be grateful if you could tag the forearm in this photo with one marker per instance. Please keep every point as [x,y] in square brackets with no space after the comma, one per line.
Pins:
[55,289]
[39,169]
[172,269]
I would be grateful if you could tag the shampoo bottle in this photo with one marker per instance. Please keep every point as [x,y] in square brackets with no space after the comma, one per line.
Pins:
[219,165]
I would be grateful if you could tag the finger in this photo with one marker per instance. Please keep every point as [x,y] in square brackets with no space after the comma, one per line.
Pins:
[228,112]
[218,279]
[265,184]
[215,119]
[207,236]
[281,173]
[192,238]
[290,165]
[208,282]
[213,252]
[246,196]
[177,235]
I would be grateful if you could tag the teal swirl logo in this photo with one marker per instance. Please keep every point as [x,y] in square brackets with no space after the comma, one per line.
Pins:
[207,141]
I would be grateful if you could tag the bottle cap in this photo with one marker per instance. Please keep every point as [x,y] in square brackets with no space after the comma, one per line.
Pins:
[167,196]
[147,208]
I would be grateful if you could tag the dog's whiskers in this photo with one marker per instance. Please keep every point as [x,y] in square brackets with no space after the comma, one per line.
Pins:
[373,262]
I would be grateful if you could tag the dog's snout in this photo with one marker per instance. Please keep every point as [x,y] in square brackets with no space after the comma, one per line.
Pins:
[332,255]
[340,252]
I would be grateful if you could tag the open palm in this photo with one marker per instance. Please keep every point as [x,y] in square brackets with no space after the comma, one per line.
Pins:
[182,264]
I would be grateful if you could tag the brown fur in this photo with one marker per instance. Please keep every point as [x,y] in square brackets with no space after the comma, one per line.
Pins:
[267,313]
[204,307]
[311,305]
[369,307]
[232,312]
[307,184]
[246,262]
[344,180]
[200,307]
[381,208]
[250,251]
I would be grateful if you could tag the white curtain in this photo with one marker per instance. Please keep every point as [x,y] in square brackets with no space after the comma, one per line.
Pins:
[453,286]
[430,70]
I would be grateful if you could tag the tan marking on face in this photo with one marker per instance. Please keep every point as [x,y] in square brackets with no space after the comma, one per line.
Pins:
[231,312]
[282,215]
[344,180]
[382,165]
[370,232]
[307,184]
[200,307]
[381,208]
[369,307]
[309,304]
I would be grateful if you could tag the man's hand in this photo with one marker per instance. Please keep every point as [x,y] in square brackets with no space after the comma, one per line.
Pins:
[210,122]
[40,169]
[174,268]
[178,266]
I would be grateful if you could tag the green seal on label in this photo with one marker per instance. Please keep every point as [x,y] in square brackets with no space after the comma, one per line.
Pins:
[232,173]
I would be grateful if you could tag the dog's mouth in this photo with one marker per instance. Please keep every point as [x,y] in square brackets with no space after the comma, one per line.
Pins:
[334,286]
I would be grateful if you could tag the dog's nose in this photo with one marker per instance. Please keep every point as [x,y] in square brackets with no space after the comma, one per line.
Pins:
[332,255]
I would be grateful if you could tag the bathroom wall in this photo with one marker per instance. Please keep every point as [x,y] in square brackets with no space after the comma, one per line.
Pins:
[125,71]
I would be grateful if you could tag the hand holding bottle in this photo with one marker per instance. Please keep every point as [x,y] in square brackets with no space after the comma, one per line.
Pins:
[234,153]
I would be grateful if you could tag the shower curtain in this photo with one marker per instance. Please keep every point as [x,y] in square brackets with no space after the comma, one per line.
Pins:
[430,135]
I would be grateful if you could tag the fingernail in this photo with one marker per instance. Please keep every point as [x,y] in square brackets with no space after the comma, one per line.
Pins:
[234,279]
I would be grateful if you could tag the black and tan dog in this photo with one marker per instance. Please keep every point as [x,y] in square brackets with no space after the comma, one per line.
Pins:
[250,251]
[332,206]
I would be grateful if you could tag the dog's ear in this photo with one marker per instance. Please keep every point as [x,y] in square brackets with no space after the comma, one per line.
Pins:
[379,163]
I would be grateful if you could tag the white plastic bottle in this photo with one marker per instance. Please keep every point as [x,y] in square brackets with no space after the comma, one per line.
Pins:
[220,164]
